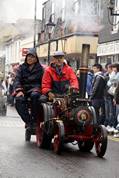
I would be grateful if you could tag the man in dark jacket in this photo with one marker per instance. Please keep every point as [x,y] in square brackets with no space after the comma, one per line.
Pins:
[97,96]
[28,85]
[116,101]
[58,77]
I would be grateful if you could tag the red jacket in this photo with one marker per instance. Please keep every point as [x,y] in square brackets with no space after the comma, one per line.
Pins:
[56,83]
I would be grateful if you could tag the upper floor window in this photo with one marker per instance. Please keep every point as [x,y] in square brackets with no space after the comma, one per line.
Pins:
[63,11]
[116,18]
[53,12]
[90,7]
[76,6]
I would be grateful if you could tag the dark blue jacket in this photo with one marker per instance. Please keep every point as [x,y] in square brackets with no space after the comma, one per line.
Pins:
[98,87]
[89,86]
[28,79]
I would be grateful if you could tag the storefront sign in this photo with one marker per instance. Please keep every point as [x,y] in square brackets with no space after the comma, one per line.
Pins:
[24,51]
[106,49]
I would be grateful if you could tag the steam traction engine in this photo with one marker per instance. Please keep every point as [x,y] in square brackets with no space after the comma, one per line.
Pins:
[71,118]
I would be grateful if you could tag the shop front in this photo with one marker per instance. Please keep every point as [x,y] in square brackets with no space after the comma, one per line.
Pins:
[108,52]
[72,46]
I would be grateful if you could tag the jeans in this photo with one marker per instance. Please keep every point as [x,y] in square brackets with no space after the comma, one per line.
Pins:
[110,112]
[23,109]
[117,113]
[99,106]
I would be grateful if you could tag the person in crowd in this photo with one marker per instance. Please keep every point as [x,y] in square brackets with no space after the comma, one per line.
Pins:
[97,95]
[58,77]
[114,77]
[7,88]
[110,114]
[89,88]
[1,84]
[11,90]
[28,85]
[113,81]
[116,101]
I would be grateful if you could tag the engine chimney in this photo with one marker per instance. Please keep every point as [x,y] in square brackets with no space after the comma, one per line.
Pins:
[84,69]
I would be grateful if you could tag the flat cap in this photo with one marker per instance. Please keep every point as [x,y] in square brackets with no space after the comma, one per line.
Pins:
[58,53]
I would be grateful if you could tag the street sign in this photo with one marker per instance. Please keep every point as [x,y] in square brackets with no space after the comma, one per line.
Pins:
[24,51]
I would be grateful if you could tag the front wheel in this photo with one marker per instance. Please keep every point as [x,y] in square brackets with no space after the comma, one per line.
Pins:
[58,138]
[85,146]
[42,138]
[101,141]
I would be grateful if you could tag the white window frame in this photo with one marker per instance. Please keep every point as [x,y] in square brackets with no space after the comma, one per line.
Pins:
[96,6]
[63,10]
[76,6]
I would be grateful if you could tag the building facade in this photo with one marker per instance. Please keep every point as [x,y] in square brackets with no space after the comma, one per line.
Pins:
[74,22]
[16,45]
[108,48]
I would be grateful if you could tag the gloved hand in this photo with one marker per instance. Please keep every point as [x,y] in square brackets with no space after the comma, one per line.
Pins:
[74,91]
[51,96]
[90,98]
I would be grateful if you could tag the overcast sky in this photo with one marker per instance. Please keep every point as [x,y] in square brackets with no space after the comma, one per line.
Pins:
[11,10]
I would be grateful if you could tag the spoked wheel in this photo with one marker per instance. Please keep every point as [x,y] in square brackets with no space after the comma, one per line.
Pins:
[85,146]
[27,135]
[44,127]
[101,141]
[42,138]
[58,139]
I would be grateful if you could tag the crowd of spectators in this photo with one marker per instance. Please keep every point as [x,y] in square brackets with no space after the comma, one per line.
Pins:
[103,90]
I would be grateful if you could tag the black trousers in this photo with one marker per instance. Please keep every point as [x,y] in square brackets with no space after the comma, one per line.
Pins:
[22,107]
[99,106]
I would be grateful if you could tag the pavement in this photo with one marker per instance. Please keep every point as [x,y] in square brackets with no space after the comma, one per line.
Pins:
[19,159]
[12,119]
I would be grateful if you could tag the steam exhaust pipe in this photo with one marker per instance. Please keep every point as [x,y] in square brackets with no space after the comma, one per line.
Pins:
[84,69]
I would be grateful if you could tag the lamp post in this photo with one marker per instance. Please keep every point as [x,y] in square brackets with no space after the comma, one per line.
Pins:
[50,26]
[34,37]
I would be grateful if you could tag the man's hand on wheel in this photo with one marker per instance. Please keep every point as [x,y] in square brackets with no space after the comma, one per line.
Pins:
[20,93]
[51,96]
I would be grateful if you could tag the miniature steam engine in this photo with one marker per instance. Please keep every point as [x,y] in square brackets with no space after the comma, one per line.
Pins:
[71,118]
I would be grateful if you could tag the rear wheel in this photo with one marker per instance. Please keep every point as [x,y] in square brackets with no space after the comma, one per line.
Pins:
[85,146]
[44,129]
[101,141]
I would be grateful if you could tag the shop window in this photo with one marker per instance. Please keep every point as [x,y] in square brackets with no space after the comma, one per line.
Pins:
[108,60]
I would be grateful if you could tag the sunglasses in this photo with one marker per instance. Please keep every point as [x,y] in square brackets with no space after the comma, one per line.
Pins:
[59,57]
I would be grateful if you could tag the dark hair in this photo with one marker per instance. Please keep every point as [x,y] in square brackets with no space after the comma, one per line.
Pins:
[116,65]
[108,65]
[98,66]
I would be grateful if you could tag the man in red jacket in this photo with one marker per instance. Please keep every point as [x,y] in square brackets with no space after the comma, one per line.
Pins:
[58,77]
